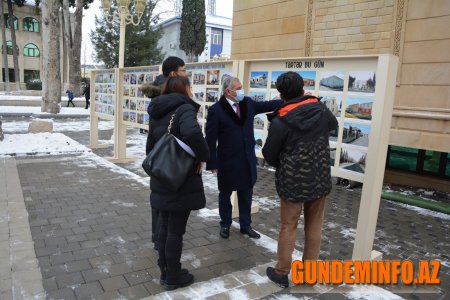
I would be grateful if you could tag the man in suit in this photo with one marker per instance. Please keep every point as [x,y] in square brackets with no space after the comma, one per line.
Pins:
[230,137]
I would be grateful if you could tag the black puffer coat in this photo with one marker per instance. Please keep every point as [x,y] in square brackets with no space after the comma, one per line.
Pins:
[191,195]
[297,145]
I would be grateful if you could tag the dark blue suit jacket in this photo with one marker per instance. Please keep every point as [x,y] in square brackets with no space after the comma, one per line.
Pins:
[231,142]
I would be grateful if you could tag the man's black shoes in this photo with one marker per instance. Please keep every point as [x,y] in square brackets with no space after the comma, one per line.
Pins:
[250,232]
[225,232]
[281,280]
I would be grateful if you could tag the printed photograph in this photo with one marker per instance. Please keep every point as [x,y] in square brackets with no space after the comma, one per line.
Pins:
[133,117]
[334,135]
[332,153]
[133,92]
[147,103]
[213,77]
[361,82]
[189,75]
[359,108]
[309,79]
[140,118]
[133,79]
[111,78]
[126,91]
[258,121]
[133,104]
[275,75]
[353,159]
[125,103]
[259,140]
[149,78]
[99,78]
[140,93]
[141,105]
[333,103]
[198,77]
[332,81]
[259,79]
[126,116]
[146,119]
[212,95]
[200,113]
[111,110]
[257,96]
[356,134]
[199,93]
[96,108]
[126,78]
[141,78]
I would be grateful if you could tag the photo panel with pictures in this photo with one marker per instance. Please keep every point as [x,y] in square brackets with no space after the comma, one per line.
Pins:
[258,79]
[149,78]
[126,116]
[274,77]
[362,82]
[333,148]
[125,103]
[126,78]
[146,119]
[141,105]
[212,94]
[132,92]
[99,78]
[358,108]
[111,78]
[258,95]
[213,77]
[353,159]
[333,103]
[309,79]
[356,134]
[332,81]
[198,77]
[126,91]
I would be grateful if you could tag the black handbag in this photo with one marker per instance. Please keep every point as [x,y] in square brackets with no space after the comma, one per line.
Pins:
[168,162]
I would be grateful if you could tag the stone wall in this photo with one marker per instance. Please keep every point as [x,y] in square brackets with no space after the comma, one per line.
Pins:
[415,30]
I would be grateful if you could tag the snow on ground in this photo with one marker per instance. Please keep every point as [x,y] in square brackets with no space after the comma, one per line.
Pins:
[370,292]
[423,211]
[58,126]
[15,97]
[37,110]
[40,143]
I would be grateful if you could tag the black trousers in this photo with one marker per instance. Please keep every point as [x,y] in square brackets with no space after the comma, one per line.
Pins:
[155,225]
[70,102]
[170,242]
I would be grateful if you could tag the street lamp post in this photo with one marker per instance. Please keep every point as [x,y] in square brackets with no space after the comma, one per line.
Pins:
[124,16]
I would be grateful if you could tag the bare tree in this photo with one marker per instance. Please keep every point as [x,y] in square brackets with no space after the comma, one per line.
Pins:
[14,44]
[4,46]
[51,83]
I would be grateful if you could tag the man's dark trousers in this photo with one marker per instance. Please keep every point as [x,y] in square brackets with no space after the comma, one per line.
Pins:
[245,207]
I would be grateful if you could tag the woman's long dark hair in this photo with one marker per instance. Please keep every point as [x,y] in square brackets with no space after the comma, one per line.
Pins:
[176,84]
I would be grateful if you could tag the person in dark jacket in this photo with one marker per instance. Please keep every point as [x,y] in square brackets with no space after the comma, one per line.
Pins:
[231,141]
[297,145]
[87,94]
[175,207]
[70,97]
[171,67]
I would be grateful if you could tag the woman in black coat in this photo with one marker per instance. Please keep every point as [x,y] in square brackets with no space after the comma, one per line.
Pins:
[175,207]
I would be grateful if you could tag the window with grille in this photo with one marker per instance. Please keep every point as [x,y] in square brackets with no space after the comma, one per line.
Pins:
[31,50]
[30,24]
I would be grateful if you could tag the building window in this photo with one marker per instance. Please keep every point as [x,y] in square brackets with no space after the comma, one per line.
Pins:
[31,50]
[9,48]
[216,36]
[419,161]
[16,22]
[31,74]
[30,24]
[212,7]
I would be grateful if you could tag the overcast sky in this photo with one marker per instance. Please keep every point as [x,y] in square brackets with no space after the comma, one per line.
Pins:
[223,8]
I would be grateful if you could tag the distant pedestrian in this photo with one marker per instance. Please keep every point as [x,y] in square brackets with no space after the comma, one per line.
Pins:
[70,96]
[87,95]
[1,132]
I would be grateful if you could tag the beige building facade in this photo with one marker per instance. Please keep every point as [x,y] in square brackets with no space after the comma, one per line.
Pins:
[27,22]
[414,30]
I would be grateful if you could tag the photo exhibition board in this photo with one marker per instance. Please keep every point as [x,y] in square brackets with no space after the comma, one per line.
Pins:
[347,86]
[206,81]
[104,98]
[133,103]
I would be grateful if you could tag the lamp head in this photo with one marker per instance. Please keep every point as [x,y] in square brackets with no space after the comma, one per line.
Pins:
[106,5]
[140,6]
[124,3]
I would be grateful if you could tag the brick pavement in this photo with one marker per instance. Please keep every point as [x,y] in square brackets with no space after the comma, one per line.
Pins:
[90,224]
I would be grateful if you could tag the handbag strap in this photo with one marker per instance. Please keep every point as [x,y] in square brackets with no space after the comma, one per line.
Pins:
[172,118]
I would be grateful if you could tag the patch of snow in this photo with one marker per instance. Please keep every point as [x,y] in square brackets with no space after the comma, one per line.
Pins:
[348,233]
[80,111]
[40,143]
[370,292]
[58,126]
[124,204]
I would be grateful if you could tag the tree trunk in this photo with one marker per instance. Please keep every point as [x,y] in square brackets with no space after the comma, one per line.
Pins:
[75,63]
[5,46]
[14,45]
[51,84]
[65,68]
